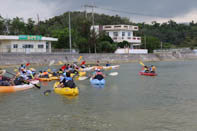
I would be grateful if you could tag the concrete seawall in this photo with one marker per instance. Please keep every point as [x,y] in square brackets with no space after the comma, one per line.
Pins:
[16,59]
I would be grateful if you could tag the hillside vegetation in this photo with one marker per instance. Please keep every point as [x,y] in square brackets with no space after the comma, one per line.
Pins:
[171,34]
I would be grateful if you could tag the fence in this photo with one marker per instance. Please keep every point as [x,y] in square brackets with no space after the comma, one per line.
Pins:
[37,51]
[173,50]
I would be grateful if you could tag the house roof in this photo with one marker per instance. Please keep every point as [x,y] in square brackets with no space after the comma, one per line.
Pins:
[27,37]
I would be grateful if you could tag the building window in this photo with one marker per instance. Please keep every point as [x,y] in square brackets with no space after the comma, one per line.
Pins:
[107,26]
[15,46]
[28,46]
[123,34]
[115,34]
[117,26]
[129,33]
[136,27]
[40,46]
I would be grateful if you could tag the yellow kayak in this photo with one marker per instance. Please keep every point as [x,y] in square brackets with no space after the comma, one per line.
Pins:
[45,79]
[66,90]
[55,78]
[80,74]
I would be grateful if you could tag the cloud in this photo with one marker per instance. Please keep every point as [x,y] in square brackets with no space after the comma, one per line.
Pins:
[160,10]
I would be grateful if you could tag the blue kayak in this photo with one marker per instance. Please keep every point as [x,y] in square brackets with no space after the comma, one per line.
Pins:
[97,82]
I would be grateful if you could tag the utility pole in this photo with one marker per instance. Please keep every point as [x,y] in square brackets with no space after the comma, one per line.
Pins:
[7,27]
[93,34]
[85,11]
[38,19]
[161,45]
[70,42]
[145,41]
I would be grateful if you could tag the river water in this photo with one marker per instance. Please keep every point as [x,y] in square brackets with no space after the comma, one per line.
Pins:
[128,102]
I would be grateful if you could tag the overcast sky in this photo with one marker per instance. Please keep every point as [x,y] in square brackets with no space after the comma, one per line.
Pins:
[147,10]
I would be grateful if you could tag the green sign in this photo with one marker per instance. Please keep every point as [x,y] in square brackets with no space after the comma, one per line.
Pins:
[30,37]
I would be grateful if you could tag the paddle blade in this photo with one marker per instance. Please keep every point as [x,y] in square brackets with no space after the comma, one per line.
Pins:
[47,92]
[37,86]
[60,63]
[51,62]
[113,73]
[83,78]
[15,70]
[80,57]
[63,67]
[141,63]
[27,64]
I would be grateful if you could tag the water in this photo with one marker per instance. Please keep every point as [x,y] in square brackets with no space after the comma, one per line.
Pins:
[167,102]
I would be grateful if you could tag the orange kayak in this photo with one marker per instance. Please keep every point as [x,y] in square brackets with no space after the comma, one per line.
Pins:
[45,79]
[9,89]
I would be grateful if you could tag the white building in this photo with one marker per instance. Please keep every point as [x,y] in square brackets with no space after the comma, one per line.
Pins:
[25,43]
[120,33]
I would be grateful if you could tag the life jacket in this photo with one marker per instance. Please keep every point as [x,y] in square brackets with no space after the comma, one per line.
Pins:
[45,73]
[69,78]
[1,78]
[153,68]
[99,73]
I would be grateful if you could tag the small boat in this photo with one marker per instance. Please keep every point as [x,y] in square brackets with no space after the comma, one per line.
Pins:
[66,90]
[147,74]
[10,89]
[97,82]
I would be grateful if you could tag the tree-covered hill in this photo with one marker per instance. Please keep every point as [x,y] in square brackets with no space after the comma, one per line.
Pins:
[171,34]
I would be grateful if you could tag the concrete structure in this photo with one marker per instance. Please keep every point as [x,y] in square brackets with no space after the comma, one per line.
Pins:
[131,51]
[120,33]
[46,58]
[25,43]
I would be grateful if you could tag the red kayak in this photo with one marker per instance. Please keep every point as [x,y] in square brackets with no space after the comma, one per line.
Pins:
[147,74]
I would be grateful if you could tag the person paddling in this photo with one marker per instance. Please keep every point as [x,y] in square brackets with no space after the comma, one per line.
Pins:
[67,81]
[152,69]
[145,69]
[4,81]
[107,64]
[98,75]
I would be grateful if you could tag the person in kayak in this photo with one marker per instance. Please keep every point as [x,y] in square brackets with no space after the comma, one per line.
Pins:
[54,72]
[98,75]
[29,74]
[97,63]
[82,65]
[67,81]
[152,69]
[4,81]
[107,63]
[19,80]
[45,74]
[145,69]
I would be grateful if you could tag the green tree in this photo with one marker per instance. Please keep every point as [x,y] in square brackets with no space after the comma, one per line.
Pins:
[152,43]
[17,26]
